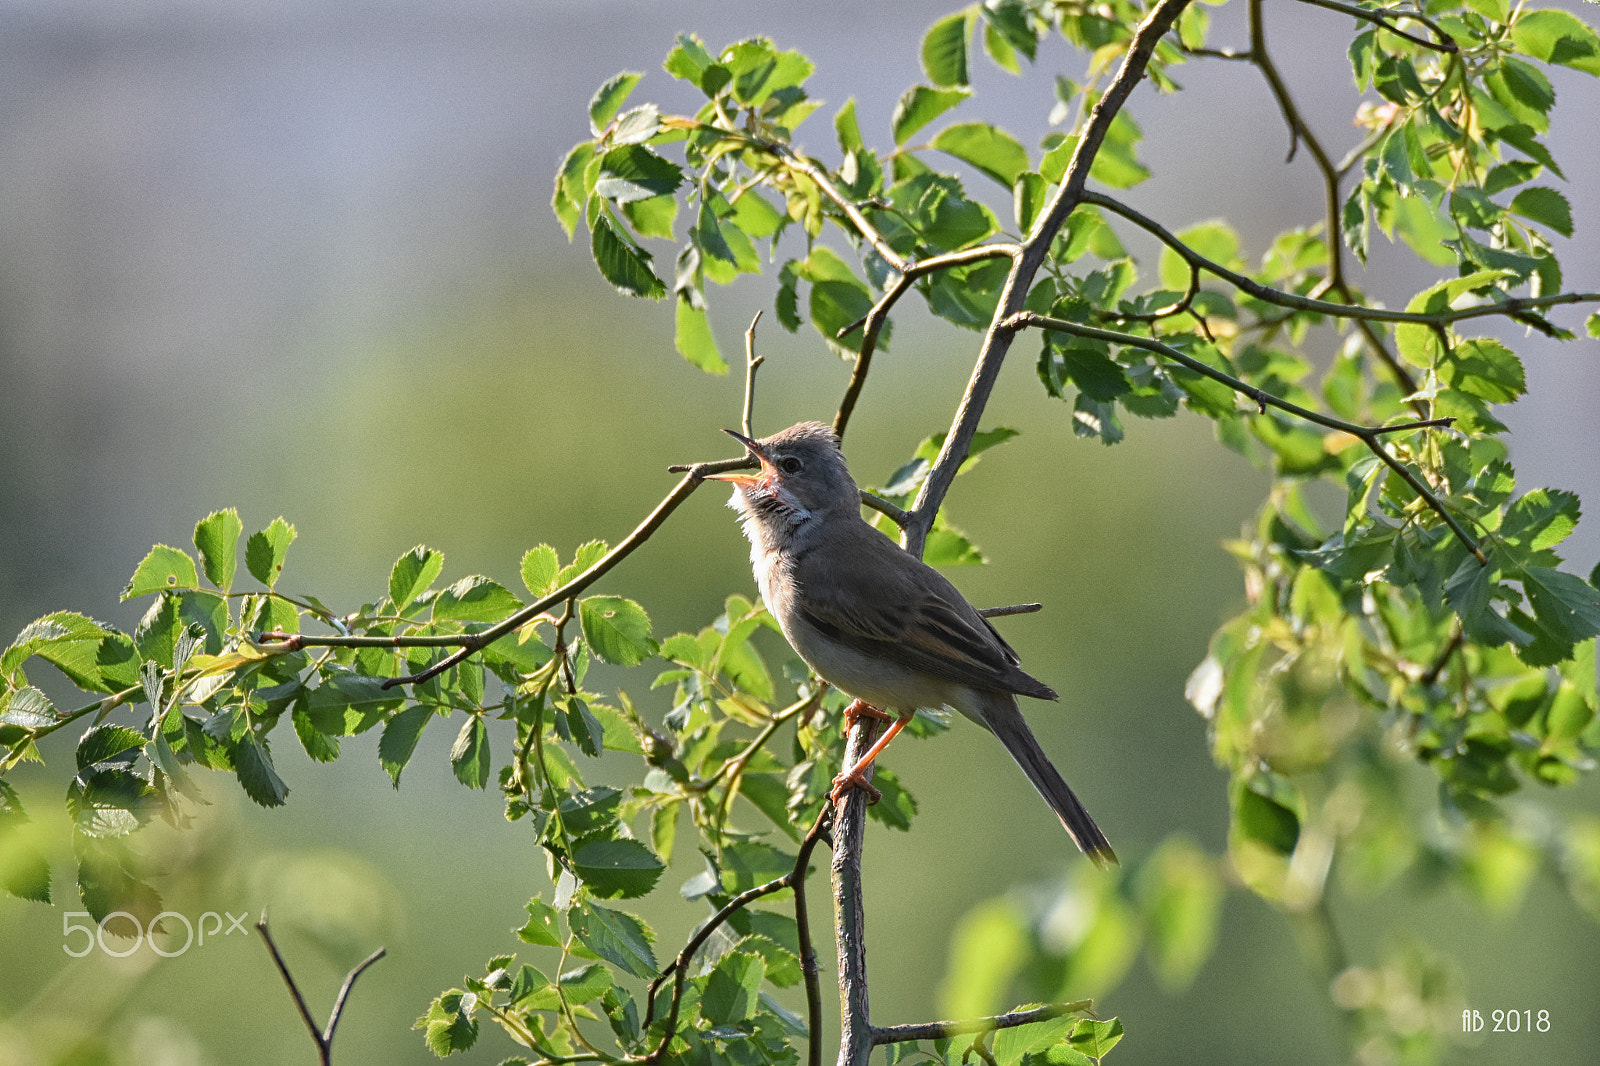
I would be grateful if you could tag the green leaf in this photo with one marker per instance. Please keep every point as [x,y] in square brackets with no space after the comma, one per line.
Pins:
[411,575]
[322,747]
[105,742]
[469,755]
[617,869]
[28,708]
[24,870]
[1564,603]
[544,924]
[164,568]
[252,762]
[94,657]
[1557,37]
[1180,891]
[633,172]
[449,1025]
[1263,818]
[1545,206]
[993,151]
[623,264]
[944,50]
[539,569]
[617,630]
[1487,369]
[731,993]
[571,190]
[1540,519]
[475,599]
[617,937]
[399,740]
[920,106]
[1569,714]
[216,537]
[608,99]
[1592,325]
[264,551]
[1095,1038]
[585,984]
[694,340]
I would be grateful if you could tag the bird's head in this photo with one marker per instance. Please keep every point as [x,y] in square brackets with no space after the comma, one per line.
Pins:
[802,476]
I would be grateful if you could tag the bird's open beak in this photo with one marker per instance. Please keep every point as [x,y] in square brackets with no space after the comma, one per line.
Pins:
[755,449]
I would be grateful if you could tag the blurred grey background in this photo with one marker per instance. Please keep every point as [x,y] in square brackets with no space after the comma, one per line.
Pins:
[297,258]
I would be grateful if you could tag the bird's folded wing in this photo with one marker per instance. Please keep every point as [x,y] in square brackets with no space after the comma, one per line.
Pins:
[921,629]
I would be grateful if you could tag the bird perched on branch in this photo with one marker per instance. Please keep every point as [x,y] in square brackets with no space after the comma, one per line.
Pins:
[878,623]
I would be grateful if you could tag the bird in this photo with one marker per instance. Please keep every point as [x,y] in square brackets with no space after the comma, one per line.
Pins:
[876,622]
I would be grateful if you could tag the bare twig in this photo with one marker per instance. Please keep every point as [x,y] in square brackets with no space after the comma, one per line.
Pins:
[898,1034]
[1451,646]
[1016,608]
[1445,43]
[752,362]
[1371,436]
[849,919]
[884,507]
[324,1037]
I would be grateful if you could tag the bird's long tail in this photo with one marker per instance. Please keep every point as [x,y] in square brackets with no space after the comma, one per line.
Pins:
[1005,720]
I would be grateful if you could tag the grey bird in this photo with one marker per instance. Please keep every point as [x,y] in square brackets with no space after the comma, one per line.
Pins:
[876,622]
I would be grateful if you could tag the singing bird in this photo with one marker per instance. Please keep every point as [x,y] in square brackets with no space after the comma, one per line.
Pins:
[878,623]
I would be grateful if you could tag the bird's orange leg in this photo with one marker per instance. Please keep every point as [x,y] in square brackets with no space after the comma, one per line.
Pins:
[855,776]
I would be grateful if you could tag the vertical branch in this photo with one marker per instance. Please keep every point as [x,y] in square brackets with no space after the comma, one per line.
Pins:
[849,827]
[752,362]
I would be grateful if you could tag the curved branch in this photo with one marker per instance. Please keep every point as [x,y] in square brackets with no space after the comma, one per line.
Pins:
[811,169]
[1371,436]
[1267,294]
[323,1038]
[1445,43]
[872,323]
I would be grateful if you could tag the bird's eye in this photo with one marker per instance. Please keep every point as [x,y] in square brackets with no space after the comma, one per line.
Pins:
[789,464]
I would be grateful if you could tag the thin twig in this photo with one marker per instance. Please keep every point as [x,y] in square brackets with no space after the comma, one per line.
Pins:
[1445,44]
[1451,646]
[752,362]
[1268,294]
[884,507]
[1371,436]
[1016,608]
[679,966]
[323,1038]
[898,1034]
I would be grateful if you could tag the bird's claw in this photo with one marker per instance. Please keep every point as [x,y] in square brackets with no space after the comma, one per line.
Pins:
[856,778]
[859,709]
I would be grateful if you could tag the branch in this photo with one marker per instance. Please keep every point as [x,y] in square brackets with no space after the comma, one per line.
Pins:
[1025,266]
[1445,44]
[470,643]
[752,362]
[679,966]
[1267,294]
[1017,608]
[324,1038]
[872,323]
[1371,436]
[897,1034]
[884,507]
[816,173]
[849,920]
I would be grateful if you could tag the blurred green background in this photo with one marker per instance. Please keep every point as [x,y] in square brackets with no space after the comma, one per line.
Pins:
[296,258]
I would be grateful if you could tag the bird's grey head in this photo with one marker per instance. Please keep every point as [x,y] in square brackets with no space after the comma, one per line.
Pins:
[803,477]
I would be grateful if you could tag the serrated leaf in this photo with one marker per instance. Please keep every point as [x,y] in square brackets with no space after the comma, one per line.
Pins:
[1557,37]
[633,172]
[449,1024]
[921,105]
[411,575]
[732,989]
[693,339]
[539,569]
[264,552]
[216,537]
[616,936]
[399,740]
[617,630]
[1487,369]
[944,50]
[165,568]
[993,151]
[252,762]
[608,99]
[1563,603]
[28,708]
[105,742]
[544,924]
[1545,206]
[623,264]
[617,869]
[469,755]
[475,599]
